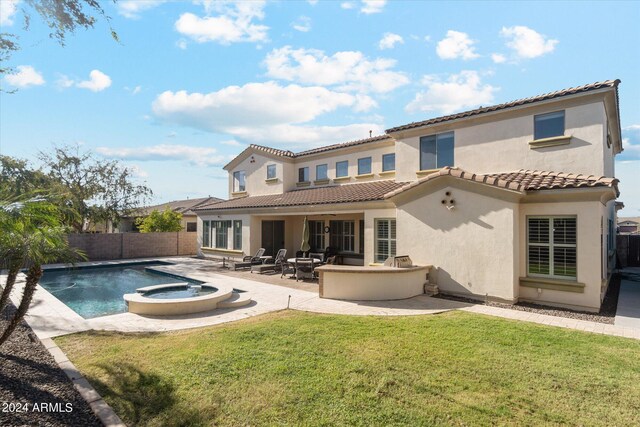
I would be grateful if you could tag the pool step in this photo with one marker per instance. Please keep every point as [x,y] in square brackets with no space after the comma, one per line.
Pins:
[236,300]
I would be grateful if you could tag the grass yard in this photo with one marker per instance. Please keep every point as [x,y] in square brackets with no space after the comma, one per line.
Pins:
[296,368]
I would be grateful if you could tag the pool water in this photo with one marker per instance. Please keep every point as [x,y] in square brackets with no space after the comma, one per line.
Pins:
[94,292]
[180,292]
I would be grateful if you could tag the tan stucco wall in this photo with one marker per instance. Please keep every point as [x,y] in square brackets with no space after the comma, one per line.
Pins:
[371,283]
[256,175]
[501,143]
[472,247]
[589,217]
[341,155]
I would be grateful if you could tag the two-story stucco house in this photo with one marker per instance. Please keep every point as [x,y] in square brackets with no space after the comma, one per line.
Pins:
[512,202]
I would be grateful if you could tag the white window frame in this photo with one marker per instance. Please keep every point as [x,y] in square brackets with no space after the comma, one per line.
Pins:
[272,167]
[236,181]
[551,245]
[391,241]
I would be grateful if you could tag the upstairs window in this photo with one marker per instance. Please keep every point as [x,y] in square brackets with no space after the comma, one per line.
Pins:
[551,247]
[548,125]
[436,151]
[303,174]
[271,171]
[364,166]
[321,172]
[388,162]
[342,168]
[238,181]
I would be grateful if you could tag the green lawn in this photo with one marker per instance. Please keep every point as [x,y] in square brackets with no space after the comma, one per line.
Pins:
[295,368]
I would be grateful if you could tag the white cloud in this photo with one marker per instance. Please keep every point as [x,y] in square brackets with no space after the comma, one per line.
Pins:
[308,136]
[231,142]
[8,9]
[64,82]
[98,81]
[257,103]
[137,171]
[302,24]
[25,77]
[348,70]
[372,6]
[527,43]
[132,8]
[498,58]
[456,45]
[312,2]
[389,41]
[233,24]
[258,111]
[630,143]
[182,44]
[458,92]
[136,90]
[199,156]
[347,5]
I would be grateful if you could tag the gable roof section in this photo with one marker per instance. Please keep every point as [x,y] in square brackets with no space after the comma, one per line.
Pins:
[349,193]
[511,104]
[521,181]
[287,154]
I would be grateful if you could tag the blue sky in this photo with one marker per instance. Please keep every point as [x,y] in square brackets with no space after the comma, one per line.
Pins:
[192,83]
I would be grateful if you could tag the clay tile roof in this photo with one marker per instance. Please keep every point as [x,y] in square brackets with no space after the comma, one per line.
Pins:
[274,151]
[529,180]
[524,101]
[342,145]
[522,180]
[349,193]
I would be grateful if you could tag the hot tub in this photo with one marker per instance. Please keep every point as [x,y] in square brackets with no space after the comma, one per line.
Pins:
[177,298]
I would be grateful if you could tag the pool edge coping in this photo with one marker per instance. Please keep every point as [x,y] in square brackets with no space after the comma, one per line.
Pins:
[98,405]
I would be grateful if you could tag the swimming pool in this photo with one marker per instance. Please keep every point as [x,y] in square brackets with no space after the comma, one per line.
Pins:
[97,291]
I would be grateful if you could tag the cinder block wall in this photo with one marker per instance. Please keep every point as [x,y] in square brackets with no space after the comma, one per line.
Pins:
[134,245]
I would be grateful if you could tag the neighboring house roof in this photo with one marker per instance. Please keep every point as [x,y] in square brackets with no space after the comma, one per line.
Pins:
[184,207]
[630,220]
[511,104]
[349,193]
[521,180]
[286,154]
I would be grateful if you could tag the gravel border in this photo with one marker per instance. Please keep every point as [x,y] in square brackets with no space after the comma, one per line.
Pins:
[31,377]
[606,315]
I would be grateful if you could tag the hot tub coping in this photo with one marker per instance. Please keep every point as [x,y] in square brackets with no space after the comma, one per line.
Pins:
[165,286]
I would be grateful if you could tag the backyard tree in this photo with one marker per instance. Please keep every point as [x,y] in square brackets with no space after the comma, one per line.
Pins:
[98,190]
[61,16]
[31,234]
[157,221]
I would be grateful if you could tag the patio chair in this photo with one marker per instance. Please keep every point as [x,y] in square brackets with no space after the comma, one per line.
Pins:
[304,269]
[249,260]
[271,264]
[287,268]
[317,255]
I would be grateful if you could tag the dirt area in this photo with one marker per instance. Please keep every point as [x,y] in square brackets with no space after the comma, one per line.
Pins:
[607,312]
[34,391]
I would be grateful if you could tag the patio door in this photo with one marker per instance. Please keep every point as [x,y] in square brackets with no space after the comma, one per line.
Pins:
[272,236]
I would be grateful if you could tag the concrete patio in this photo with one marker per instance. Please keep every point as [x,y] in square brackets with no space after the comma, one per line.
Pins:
[49,317]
